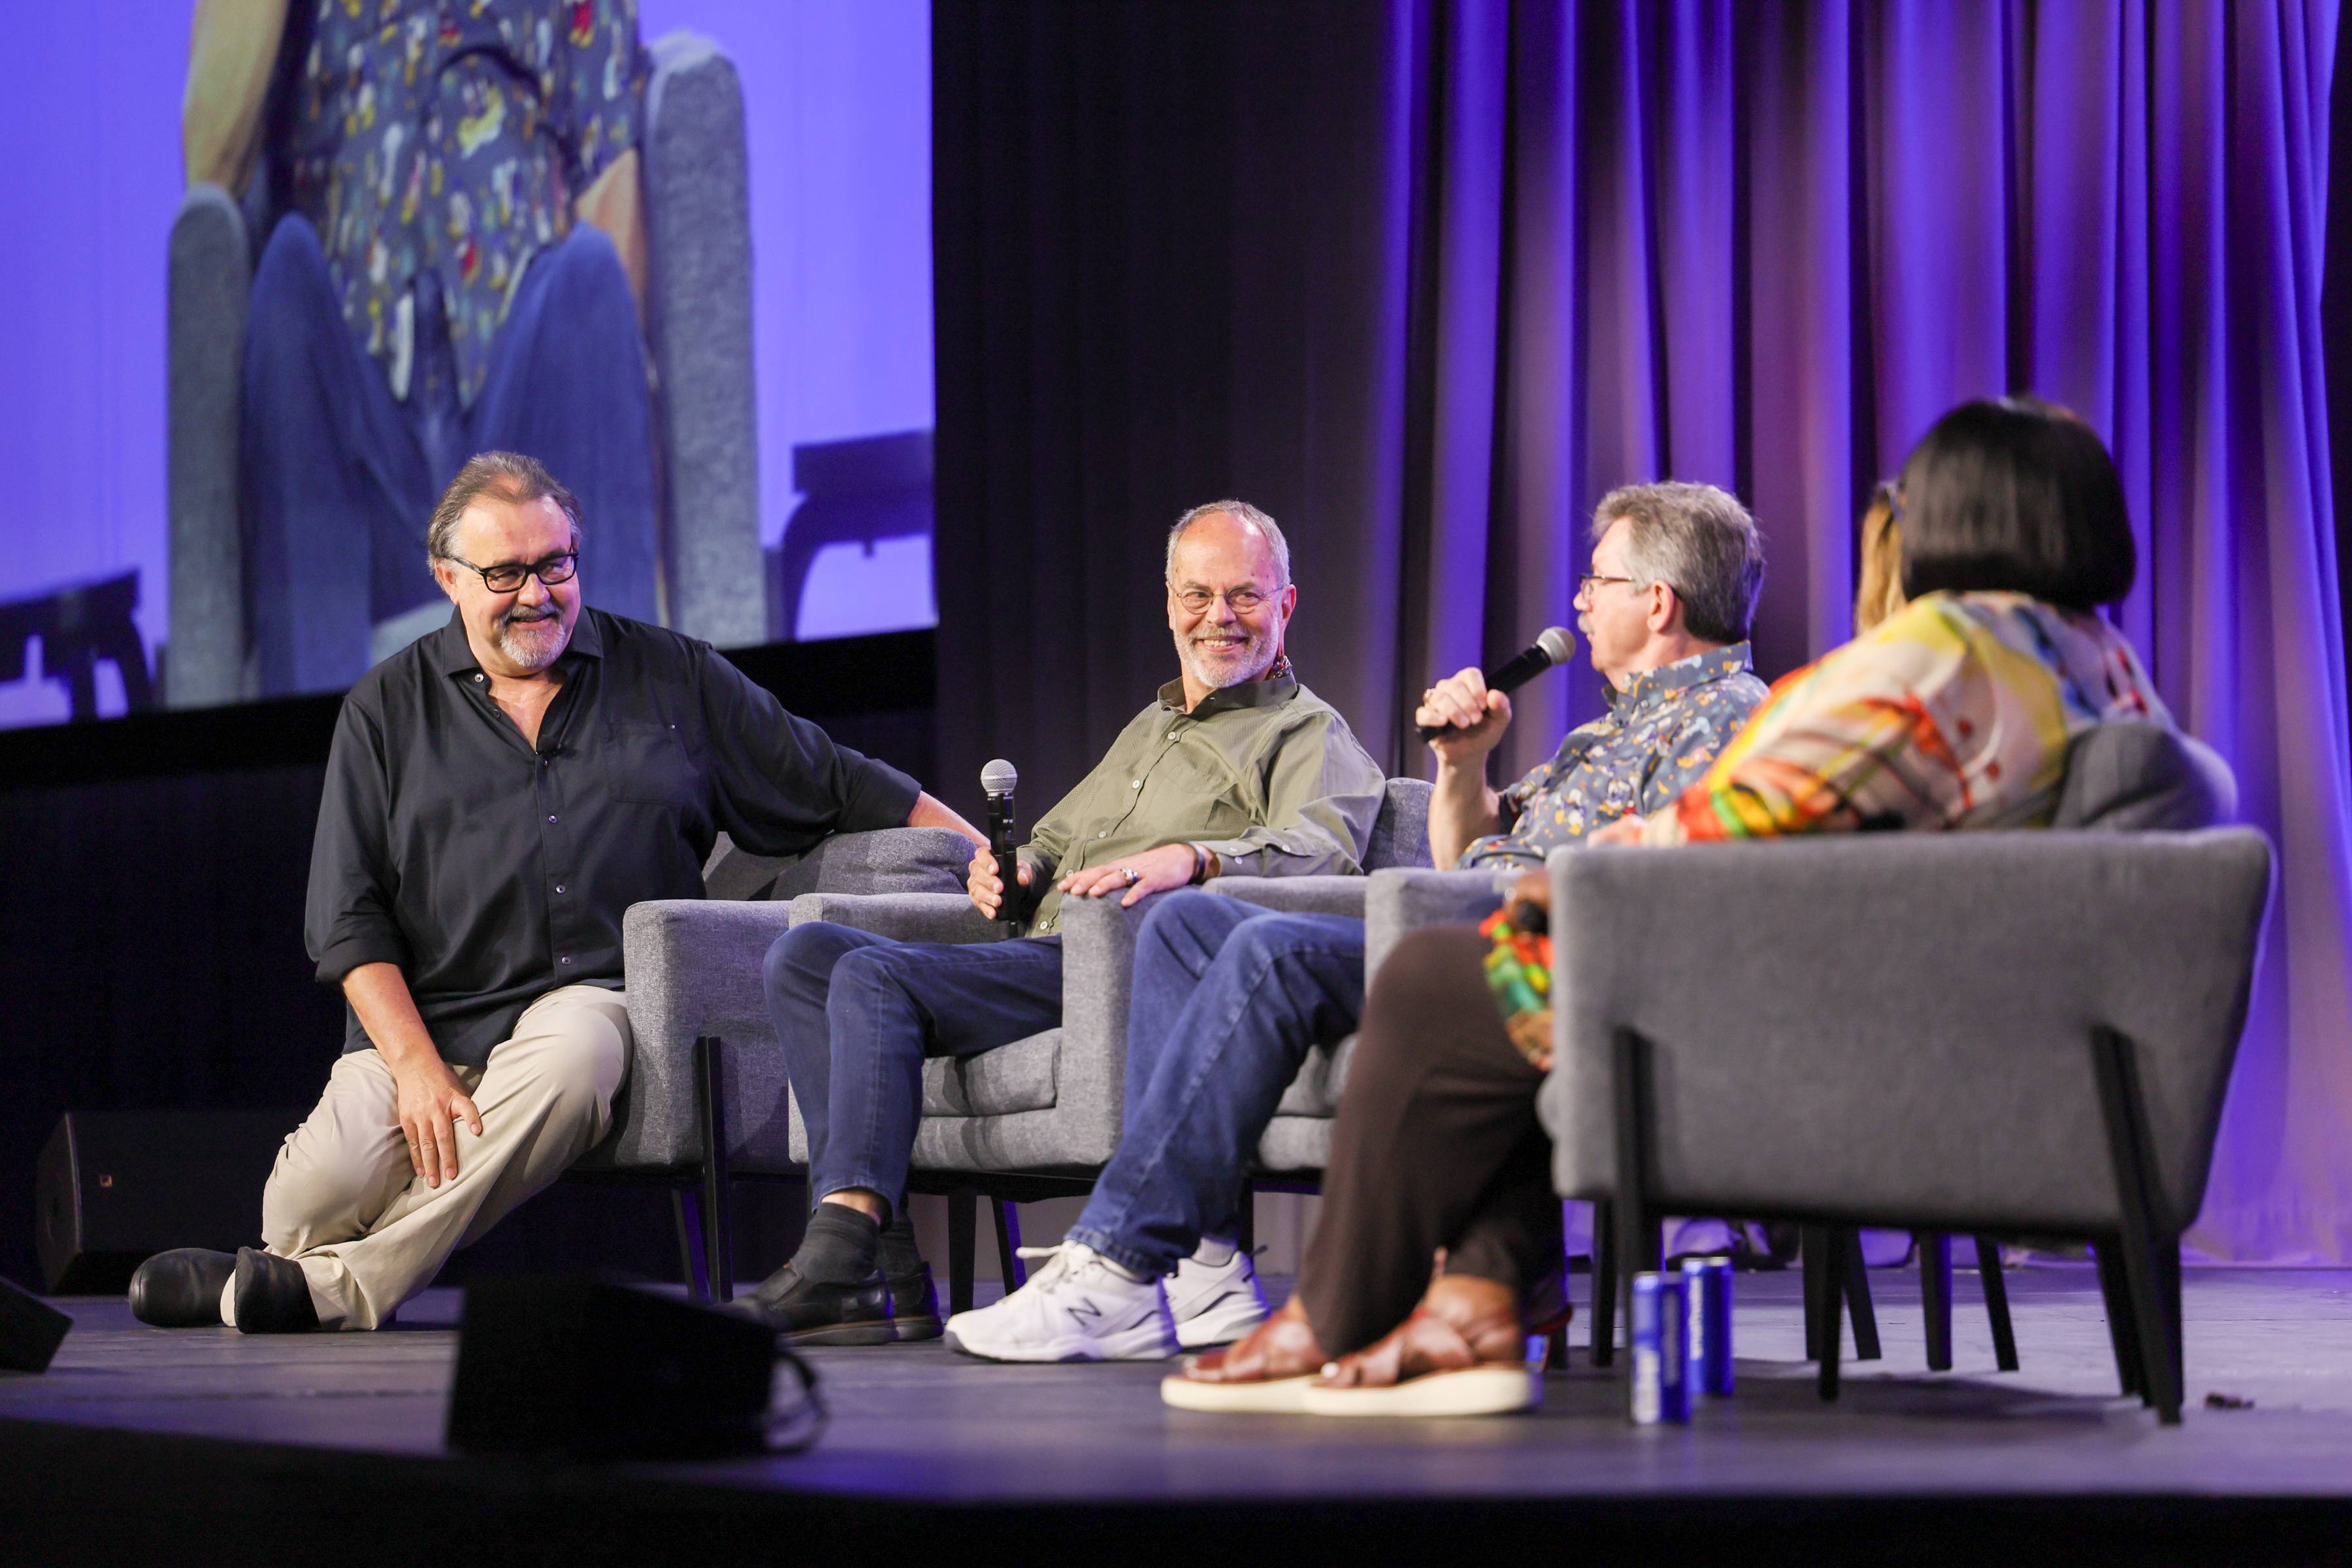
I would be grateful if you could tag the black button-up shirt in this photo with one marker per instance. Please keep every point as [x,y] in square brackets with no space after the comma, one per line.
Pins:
[492,873]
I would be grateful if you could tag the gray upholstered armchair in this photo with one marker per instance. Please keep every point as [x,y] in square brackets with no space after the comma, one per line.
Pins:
[699,318]
[705,1087]
[1040,1117]
[1995,1032]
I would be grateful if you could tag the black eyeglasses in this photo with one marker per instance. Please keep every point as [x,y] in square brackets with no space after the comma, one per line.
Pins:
[508,577]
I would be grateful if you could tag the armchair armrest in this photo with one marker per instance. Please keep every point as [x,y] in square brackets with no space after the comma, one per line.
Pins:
[692,967]
[699,316]
[906,917]
[210,281]
[1296,895]
[1400,902]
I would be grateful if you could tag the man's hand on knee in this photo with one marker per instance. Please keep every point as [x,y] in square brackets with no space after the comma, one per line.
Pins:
[431,1104]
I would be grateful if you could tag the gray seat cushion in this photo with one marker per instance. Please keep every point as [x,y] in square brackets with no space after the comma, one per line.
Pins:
[1321,1080]
[1022,1076]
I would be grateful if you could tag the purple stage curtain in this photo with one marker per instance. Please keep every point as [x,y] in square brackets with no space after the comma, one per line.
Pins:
[1427,278]
[1765,246]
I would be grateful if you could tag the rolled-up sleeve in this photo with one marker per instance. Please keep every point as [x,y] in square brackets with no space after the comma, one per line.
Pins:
[348,919]
[780,784]
[1323,794]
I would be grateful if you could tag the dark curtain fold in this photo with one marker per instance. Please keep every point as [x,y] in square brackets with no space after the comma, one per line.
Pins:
[1427,278]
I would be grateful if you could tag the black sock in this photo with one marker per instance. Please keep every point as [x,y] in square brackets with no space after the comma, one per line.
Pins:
[899,1254]
[838,1246]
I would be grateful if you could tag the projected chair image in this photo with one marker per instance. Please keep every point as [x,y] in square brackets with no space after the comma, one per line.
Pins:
[697,314]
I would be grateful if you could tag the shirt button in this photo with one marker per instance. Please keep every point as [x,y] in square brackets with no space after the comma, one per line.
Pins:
[477,680]
[551,816]
[1104,834]
[562,960]
[1138,784]
[558,887]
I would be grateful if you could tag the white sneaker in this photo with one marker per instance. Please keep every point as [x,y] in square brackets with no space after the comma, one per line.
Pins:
[1076,1308]
[1214,1305]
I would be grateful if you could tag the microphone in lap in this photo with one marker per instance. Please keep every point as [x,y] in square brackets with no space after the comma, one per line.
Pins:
[997,781]
[1556,645]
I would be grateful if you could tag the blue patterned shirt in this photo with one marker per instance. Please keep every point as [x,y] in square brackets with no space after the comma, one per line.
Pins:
[454,137]
[1659,737]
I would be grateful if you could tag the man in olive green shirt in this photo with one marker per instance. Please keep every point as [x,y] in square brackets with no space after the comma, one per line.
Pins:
[1237,769]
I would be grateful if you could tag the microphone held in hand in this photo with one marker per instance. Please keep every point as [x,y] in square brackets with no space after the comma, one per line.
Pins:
[1554,647]
[997,781]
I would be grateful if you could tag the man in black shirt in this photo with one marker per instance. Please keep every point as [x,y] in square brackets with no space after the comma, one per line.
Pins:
[498,795]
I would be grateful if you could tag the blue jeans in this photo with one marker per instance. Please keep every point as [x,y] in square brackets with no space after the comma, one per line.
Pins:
[1228,1000]
[856,1014]
[341,477]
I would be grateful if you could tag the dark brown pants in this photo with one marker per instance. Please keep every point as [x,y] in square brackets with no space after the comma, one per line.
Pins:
[1436,1145]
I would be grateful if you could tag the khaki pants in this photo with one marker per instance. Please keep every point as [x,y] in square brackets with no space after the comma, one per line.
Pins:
[344,1202]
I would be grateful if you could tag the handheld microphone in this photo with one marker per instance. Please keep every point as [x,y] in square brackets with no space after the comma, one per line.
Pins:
[1555,647]
[997,781]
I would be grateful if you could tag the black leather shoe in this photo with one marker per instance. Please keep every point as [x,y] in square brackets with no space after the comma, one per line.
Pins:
[915,1305]
[808,1313]
[273,1295]
[182,1288]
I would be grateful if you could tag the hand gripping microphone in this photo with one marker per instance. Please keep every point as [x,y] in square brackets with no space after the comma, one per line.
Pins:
[997,781]
[1555,647]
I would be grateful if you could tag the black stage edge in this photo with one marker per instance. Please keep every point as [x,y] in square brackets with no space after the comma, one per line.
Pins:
[890,672]
[78,1494]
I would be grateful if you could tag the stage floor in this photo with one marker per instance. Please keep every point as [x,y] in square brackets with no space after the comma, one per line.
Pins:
[915,1424]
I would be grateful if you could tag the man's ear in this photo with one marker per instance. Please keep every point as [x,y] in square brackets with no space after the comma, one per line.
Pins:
[1665,607]
[446,576]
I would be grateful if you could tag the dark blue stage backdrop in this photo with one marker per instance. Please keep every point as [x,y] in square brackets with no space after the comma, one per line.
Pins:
[1452,268]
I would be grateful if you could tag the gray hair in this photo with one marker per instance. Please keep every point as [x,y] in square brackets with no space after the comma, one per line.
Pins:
[1240,510]
[508,477]
[1699,541]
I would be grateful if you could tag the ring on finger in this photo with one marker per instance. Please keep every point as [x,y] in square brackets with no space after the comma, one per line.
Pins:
[1130,873]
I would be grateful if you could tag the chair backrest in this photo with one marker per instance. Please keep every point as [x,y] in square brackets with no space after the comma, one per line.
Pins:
[2131,776]
[1400,832]
[1899,1024]
[891,860]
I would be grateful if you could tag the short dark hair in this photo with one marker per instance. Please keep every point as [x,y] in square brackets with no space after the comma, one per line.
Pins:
[509,476]
[2015,494]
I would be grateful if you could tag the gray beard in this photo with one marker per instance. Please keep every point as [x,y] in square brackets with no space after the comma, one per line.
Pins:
[529,645]
[1255,655]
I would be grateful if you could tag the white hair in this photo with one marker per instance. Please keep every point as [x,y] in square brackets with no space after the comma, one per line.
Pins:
[1242,511]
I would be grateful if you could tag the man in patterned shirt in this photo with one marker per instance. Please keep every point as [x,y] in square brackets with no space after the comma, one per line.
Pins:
[454,267]
[1227,1001]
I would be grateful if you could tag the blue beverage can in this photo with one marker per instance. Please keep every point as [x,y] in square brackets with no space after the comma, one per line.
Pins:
[1706,1281]
[1661,1359]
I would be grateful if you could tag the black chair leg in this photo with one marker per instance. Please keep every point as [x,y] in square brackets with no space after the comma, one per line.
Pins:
[2122,1333]
[1832,1249]
[1605,1282]
[717,1219]
[1996,1296]
[693,1262]
[2146,1239]
[1857,1296]
[964,1235]
[1638,1242]
[1935,1296]
[1810,1260]
[1008,1243]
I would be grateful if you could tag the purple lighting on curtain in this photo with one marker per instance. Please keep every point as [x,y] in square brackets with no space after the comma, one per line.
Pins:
[1765,246]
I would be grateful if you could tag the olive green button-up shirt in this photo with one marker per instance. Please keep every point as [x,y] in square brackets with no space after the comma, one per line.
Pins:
[1265,774]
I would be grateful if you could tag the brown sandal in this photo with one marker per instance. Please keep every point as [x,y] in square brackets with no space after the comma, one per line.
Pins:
[1268,1370]
[1457,1354]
